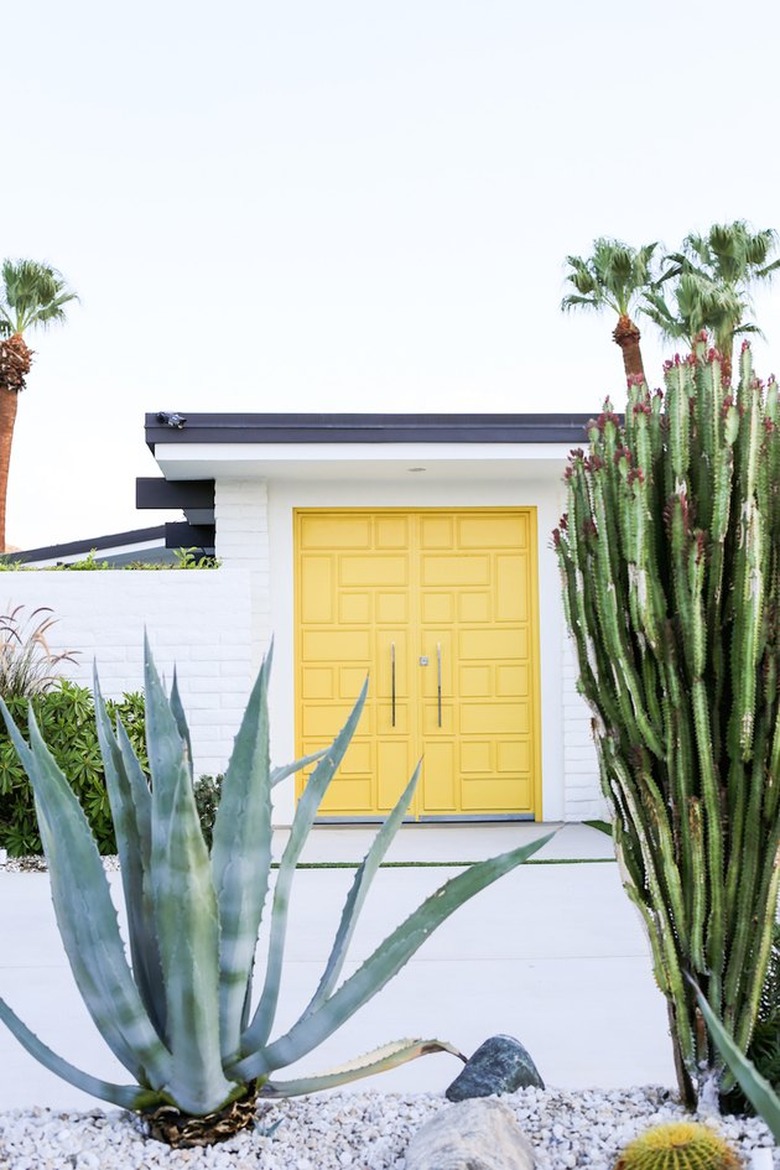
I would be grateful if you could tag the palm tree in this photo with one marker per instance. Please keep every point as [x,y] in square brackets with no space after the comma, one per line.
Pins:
[33,294]
[713,275]
[613,277]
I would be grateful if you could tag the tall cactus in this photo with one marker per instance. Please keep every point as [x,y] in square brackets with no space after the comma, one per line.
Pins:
[670,559]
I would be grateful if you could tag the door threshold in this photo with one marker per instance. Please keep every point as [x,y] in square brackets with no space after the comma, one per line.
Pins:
[456,819]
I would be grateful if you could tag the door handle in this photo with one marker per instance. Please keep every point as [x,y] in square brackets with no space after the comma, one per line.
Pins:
[438,680]
[392,684]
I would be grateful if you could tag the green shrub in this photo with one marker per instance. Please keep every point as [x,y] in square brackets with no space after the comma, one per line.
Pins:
[66,716]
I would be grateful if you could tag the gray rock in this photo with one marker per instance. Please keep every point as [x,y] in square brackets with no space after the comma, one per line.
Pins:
[473,1135]
[500,1065]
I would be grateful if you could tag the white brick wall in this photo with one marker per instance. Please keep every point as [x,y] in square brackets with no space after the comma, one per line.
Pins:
[583,799]
[241,513]
[197,621]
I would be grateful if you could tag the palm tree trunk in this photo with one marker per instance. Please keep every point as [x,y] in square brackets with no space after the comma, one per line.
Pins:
[627,335]
[9,402]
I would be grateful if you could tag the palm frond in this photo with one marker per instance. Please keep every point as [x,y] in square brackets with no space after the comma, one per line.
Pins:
[34,294]
[613,276]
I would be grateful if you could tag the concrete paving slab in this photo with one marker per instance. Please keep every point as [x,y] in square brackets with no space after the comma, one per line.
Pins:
[553,954]
[451,842]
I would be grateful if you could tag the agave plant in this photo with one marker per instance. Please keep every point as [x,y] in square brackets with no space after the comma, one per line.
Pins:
[181,1015]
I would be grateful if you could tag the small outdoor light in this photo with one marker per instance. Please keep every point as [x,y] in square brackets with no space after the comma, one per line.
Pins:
[171,420]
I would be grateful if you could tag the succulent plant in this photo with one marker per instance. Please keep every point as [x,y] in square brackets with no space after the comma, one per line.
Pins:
[678,1145]
[756,1088]
[670,559]
[181,1016]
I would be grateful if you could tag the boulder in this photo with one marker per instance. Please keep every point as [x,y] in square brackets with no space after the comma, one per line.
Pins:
[500,1065]
[473,1135]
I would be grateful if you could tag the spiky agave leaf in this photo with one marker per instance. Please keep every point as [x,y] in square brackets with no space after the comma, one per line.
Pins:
[86,916]
[260,1027]
[382,1059]
[756,1088]
[130,799]
[357,895]
[125,1096]
[185,912]
[385,962]
[241,860]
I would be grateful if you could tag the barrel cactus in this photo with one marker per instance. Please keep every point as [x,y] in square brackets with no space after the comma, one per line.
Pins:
[181,1015]
[670,560]
[678,1145]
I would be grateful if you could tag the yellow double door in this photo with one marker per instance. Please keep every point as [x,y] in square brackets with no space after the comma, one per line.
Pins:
[439,608]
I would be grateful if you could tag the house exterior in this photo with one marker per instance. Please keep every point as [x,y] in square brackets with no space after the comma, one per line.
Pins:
[413,550]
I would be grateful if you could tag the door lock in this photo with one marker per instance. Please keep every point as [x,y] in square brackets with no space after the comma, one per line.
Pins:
[424,660]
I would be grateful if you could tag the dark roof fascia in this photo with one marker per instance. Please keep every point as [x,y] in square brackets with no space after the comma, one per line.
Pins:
[368,428]
[98,543]
[156,492]
[199,536]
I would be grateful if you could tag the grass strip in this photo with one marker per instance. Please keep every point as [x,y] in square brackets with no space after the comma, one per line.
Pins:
[448,864]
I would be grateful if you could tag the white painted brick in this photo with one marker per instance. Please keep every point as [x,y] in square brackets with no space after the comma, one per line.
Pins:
[192,620]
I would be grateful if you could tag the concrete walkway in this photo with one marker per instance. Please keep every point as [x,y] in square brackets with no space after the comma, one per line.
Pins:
[552,954]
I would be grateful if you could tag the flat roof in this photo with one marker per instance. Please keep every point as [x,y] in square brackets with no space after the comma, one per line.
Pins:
[179,427]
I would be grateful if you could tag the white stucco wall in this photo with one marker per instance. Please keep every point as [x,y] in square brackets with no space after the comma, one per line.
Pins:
[255,531]
[197,621]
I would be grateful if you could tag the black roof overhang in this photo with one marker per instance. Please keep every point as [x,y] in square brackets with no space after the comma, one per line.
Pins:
[365,428]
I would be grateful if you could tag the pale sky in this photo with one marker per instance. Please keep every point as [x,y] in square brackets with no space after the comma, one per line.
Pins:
[361,205]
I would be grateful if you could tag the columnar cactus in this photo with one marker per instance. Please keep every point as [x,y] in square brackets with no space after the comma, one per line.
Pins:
[670,558]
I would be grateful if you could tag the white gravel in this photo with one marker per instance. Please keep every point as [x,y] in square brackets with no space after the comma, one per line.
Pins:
[362,1131]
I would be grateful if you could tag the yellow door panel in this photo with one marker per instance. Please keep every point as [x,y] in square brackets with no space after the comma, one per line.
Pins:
[491,532]
[440,786]
[391,532]
[493,643]
[439,608]
[373,570]
[493,718]
[316,590]
[438,569]
[392,608]
[338,532]
[436,531]
[317,682]
[475,607]
[336,645]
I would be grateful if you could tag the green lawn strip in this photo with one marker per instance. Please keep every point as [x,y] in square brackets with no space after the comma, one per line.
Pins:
[448,864]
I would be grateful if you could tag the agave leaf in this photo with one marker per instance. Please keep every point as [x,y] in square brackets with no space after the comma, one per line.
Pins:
[241,860]
[285,770]
[126,1096]
[357,895]
[86,916]
[181,718]
[382,965]
[127,791]
[185,913]
[756,1088]
[259,1029]
[380,1060]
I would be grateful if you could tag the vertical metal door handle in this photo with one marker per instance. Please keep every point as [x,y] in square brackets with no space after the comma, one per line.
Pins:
[438,679]
[392,684]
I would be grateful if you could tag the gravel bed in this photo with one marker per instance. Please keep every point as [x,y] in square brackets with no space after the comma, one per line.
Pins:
[362,1131]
